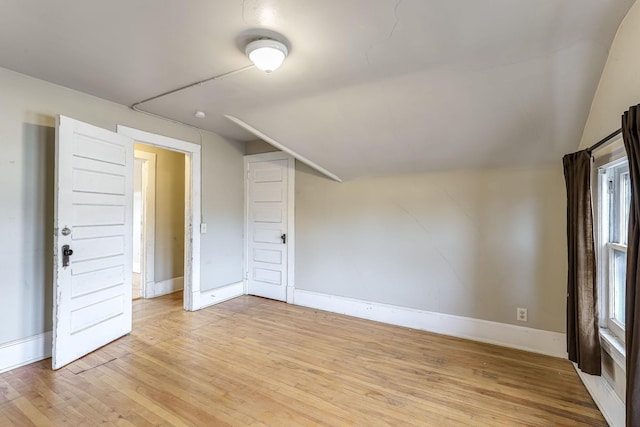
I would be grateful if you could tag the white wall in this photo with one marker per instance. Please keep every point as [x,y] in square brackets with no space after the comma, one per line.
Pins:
[477,244]
[27,117]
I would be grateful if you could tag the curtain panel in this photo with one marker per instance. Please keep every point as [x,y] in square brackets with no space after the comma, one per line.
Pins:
[583,338]
[631,137]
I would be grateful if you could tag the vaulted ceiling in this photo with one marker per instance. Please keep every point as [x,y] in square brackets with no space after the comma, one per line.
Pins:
[370,87]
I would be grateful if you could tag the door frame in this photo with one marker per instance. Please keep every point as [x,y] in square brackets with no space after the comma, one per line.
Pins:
[291,194]
[192,204]
[147,269]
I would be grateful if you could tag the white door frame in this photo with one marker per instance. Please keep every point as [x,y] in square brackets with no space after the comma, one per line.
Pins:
[193,176]
[291,194]
[147,269]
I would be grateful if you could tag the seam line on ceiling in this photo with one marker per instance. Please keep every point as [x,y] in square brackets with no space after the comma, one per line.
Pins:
[198,83]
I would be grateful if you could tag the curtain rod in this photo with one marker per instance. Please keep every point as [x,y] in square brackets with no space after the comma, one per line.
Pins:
[604,141]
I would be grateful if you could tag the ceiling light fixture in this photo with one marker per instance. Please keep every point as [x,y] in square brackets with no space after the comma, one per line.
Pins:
[200,114]
[266,54]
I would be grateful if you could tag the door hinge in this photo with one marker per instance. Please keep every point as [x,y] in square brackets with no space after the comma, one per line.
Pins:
[610,187]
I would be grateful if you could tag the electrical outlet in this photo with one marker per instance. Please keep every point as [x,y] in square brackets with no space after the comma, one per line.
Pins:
[521,314]
[203,228]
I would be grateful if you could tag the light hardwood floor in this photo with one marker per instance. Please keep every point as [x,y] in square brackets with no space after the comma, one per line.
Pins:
[136,290]
[260,362]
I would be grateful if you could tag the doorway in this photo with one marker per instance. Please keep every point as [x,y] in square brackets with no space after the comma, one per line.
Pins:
[158,221]
[192,211]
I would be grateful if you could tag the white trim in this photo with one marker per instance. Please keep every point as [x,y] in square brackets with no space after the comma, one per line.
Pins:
[611,406]
[21,352]
[165,287]
[192,220]
[609,153]
[279,146]
[156,140]
[223,293]
[291,230]
[245,229]
[291,209]
[193,215]
[614,347]
[528,339]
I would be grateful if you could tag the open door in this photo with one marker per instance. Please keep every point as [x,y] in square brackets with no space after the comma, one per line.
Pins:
[92,239]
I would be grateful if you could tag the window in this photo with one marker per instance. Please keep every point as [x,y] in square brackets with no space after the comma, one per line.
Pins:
[614,197]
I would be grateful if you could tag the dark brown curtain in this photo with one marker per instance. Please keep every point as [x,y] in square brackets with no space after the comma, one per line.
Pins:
[583,338]
[631,136]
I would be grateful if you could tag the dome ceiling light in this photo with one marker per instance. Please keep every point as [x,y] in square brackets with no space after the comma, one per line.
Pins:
[266,54]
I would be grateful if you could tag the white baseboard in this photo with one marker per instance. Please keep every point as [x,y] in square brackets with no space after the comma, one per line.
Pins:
[166,287]
[218,295]
[612,408]
[529,339]
[24,351]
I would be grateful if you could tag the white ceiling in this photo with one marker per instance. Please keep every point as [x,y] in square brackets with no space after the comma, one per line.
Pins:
[371,87]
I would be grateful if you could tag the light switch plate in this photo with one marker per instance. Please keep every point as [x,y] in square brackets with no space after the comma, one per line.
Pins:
[521,314]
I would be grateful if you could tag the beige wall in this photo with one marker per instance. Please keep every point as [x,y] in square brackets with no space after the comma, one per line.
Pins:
[471,243]
[27,117]
[258,147]
[619,86]
[169,224]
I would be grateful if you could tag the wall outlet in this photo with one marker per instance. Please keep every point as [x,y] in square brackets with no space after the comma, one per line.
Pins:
[521,314]
[203,228]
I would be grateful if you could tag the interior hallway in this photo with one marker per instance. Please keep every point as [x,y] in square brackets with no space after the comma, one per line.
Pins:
[256,361]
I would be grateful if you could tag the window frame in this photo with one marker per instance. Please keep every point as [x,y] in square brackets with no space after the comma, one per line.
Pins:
[607,207]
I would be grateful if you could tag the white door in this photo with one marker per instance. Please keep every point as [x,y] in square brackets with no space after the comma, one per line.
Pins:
[93,223]
[268,190]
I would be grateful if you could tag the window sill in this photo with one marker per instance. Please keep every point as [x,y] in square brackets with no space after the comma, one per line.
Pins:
[612,345]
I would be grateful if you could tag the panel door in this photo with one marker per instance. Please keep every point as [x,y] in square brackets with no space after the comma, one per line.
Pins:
[93,223]
[267,227]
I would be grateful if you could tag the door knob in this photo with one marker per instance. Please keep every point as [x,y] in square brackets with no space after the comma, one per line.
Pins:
[284,239]
[66,253]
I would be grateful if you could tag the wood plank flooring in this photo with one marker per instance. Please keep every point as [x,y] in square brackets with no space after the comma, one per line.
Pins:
[251,361]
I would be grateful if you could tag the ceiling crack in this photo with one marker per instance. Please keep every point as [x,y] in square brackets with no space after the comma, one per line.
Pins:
[395,23]
[388,37]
